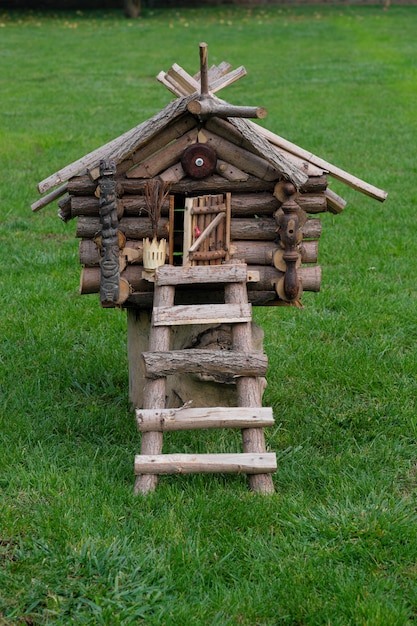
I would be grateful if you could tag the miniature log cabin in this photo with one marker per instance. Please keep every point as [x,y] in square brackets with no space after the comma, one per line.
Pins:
[187,221]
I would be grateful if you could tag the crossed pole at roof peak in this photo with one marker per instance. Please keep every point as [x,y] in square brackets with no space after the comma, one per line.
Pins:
[204,85]
[206,105]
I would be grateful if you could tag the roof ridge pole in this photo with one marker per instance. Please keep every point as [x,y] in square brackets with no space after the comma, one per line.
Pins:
[204,87]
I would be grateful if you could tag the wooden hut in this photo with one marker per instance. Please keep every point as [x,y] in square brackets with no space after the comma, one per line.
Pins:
[194,216]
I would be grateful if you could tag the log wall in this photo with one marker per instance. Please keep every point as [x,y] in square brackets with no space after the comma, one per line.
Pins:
[253,239]
[256,200]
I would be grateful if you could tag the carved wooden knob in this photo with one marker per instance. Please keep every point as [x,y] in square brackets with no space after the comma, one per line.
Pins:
[289,189]
[199,160]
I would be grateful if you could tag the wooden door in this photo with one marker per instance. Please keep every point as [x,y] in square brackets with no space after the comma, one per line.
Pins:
[207,229]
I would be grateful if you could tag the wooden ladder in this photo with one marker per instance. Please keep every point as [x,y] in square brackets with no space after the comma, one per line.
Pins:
[241,361]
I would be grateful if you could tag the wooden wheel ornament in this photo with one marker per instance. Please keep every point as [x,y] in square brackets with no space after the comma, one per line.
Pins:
[199,160]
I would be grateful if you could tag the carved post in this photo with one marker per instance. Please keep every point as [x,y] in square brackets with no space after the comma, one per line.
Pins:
[110,269]
[290,235]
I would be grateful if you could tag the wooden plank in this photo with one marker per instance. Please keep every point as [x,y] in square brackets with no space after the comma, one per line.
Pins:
[183,78]
[228,362]
[202,314]
[171,275]
[206,463]
[165,420]
[171,84]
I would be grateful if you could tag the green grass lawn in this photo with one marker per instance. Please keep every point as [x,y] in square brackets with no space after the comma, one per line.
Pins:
[337,543]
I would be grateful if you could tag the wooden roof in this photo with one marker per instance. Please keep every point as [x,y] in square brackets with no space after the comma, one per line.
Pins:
[193,93]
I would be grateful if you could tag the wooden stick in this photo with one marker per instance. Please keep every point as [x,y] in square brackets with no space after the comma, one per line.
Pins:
[169,420]
[171,228]
[170,275]
[212,225]
[209,255]
[201,314]
[204,87]
[212,184]
[205,463]
[173,174]
[230,363]
[261,229]
[54,195]
[335,204]
[211,108]
[211,208]
[251,252]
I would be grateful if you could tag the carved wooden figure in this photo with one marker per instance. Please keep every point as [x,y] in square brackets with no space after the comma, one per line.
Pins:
[109,261]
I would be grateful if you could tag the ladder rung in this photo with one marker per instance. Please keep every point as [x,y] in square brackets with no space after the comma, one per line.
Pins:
[171,275]
[201,314]
[227,362]
[164,420]
[244,463]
